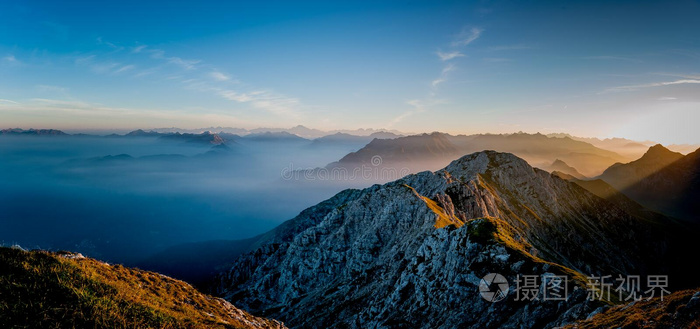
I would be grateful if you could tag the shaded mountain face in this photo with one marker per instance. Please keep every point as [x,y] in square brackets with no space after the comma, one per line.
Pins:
[419,152]
[662,180]
[64,290]
[622,176]
[436,150]
[605,191]
[412,252]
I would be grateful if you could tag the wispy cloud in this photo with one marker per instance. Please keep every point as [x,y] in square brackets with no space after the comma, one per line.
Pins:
[184,63]
[218,76]
[108,44]
[190,74]
[467,36]
[651,85]
[497,59]
[262,99]
[51,88]
[125,68]
[509,47]
[443,75]
[449,55]
[666,98]
[156,53]
[418,106]
[104,67]
[11,59]
[613,58]
[138,49]
[84,59]
[100,115]
[7,101]
[694,76]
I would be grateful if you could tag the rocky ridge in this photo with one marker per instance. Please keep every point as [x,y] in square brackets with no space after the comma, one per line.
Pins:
[410,253]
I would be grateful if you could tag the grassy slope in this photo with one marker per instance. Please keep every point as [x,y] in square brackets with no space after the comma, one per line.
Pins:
[46,290]
[678,310]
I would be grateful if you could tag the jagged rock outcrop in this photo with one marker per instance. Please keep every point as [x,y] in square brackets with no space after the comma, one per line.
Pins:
[410,253]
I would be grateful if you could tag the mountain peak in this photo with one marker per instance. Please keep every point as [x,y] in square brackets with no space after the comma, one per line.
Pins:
[658,151]
[406,240]
[488,161]
[562,167]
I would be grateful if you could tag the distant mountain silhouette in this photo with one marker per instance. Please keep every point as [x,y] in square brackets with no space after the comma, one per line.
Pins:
[203,138]
[142,133]
[662,180]
[621,176]
[432,151]
[420,152]
[623,146]
[562,167]
[274,137]
[32,132]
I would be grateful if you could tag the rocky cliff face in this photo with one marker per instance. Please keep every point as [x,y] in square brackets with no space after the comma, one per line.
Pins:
[410,253]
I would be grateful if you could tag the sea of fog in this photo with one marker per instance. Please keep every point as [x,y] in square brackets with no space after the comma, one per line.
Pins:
[122,199]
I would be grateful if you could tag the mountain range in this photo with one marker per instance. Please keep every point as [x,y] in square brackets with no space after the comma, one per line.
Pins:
[412,252]
[434,151]
[662,180]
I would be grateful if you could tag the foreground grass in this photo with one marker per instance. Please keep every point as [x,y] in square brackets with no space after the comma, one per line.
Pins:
[46,290]
[678,310]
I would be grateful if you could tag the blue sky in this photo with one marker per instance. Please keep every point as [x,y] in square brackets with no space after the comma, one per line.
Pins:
[627,68]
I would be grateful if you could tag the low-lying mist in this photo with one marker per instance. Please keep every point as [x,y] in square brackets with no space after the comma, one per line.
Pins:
[123,198]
